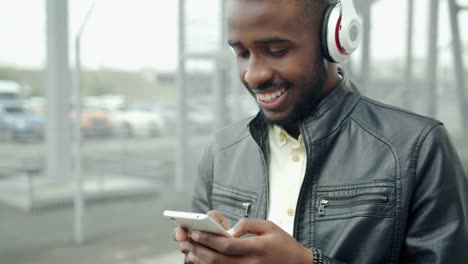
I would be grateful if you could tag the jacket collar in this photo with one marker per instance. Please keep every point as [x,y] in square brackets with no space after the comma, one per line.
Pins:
[324,120]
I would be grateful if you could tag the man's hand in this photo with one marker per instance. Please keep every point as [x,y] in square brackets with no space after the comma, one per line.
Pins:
[271,245]
[184,239]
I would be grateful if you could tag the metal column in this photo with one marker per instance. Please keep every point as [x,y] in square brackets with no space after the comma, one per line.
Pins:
[220,76]
[366,25]
[409,54]
[219,83]
[454,10]
[182,141]
[58,86]
[433,56]
[78,199]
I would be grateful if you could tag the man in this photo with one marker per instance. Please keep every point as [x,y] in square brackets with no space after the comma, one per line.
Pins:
[322,174]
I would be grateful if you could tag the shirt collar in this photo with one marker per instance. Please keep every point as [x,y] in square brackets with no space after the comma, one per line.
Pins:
[281,137]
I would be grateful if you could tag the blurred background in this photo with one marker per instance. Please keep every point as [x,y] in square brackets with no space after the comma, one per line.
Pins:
[106,105]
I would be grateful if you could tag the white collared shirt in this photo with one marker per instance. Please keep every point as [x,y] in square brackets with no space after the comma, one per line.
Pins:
[287,166]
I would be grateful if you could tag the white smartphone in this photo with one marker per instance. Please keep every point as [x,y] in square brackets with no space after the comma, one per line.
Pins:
[193,221]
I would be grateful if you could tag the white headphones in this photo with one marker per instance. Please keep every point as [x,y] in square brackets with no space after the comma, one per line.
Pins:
[341,31]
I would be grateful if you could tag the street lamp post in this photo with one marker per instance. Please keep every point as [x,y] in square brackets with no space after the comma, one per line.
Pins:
[78,201]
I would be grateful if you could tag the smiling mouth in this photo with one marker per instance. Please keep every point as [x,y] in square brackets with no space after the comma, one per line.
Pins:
[270,96]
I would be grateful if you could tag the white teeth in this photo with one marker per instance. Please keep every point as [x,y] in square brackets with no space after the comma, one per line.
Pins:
[269,97]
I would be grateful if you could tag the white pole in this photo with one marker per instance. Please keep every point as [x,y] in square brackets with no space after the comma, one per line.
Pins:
[182,142]
[433,56]
[78,181]
[57,92]
[409,53]
[457,52]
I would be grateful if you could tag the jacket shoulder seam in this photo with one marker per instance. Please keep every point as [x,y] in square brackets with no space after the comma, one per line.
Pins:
[394,152]
[377,136]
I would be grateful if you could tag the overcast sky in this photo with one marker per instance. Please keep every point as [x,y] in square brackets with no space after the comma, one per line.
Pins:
[134,34]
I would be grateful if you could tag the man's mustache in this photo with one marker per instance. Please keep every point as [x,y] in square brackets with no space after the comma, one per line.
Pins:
[268,85]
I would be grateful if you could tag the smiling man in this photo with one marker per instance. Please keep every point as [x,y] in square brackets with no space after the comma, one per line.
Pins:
[322,174]
[279,60]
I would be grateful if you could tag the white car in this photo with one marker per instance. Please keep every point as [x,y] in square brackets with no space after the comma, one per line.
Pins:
[135,121]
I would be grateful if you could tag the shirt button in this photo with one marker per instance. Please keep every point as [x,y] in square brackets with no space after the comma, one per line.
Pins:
[282,137]
[296,158]
[290,212]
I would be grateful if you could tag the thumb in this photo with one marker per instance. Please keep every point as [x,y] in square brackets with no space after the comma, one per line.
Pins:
[251,226]
[219,218]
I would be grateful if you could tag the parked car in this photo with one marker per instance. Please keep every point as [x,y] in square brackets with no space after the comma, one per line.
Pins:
[19,124]
[166,109]
[9,90]
[136,121]
[95,123]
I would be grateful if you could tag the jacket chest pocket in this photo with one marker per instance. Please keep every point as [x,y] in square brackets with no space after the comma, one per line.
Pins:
[373,199]
[233,203]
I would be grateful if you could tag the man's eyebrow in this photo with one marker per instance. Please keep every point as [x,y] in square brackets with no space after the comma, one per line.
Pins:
[235,43]
[271,40]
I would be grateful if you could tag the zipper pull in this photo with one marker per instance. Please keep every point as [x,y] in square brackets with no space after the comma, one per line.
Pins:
[246,206]
[323,203]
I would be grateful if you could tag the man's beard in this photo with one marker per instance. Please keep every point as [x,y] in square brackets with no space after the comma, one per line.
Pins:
[310,100]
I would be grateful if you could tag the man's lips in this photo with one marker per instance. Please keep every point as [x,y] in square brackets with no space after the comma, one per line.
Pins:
[270,96]
[271,99]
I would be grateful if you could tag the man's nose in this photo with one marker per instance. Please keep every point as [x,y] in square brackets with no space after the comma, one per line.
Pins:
[257,73]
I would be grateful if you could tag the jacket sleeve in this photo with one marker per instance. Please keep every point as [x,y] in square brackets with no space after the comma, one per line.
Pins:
[201,202]
[437,230]
[327,260]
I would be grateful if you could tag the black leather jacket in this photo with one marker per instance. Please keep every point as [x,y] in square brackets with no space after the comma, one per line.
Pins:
[382,185]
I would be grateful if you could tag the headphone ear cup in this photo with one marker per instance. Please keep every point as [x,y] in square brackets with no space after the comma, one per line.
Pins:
[324,32]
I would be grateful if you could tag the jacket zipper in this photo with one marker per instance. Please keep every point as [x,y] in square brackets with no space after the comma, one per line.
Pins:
[246,205]
[260,145]
[308,154]
[348,201]
[267,180]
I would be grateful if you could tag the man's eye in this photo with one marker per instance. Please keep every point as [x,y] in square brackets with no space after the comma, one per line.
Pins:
[243,54]
[278,53]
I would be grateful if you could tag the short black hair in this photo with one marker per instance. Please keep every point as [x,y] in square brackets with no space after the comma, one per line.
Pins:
[312,8]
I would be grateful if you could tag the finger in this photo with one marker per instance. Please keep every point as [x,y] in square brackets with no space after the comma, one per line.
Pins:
[219,218]
[202,254]
[185,247]
[192,259]
[187,260]
[225,245]
[180,235]
[251,226]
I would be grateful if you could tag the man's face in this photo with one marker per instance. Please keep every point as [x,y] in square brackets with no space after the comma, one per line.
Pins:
[278,56]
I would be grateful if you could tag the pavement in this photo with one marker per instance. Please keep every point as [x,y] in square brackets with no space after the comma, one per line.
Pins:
[129,230]
[121,225]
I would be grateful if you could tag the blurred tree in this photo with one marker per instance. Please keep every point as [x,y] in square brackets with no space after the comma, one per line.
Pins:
[134,85]
[30,78]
